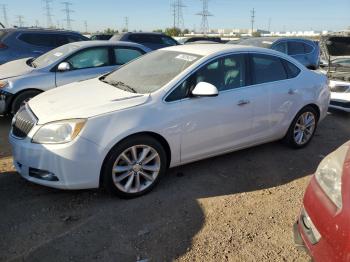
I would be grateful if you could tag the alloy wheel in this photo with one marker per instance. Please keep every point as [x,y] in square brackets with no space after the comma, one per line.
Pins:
[136,168]
[304,128]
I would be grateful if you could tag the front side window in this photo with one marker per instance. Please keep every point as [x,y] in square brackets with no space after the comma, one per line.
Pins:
[267,68]
[151,71]
[296,48]
[94,57]
[224,73]
[125,55]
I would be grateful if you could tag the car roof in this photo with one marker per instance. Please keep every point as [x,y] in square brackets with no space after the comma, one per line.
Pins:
[210,49]
[144,33]
[276,38]
[91,43]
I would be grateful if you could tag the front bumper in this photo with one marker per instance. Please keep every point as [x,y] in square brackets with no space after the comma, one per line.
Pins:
[324,217]
[76,165]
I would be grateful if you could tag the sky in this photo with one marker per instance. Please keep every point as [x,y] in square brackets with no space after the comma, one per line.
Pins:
[289,15]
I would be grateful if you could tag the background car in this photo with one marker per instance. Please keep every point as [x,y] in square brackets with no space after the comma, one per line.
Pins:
[170,107]
[101,37]
[186,40]
[335,64]
[25,78]
[305,51]
[151,40]
[323,225]
[16,43]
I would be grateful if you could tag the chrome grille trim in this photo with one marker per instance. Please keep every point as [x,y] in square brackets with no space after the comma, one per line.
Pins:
[23,122]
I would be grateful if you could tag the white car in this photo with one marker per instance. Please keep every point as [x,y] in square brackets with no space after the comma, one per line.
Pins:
[170,107]
[340,95]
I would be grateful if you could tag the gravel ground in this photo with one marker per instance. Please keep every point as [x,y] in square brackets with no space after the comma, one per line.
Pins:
[236,207]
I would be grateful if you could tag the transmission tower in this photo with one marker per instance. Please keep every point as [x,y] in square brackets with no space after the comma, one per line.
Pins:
[37,23]
[204,14]
[48,14]
[86,26]
[68,12]
[252,19]
[126,25]
[20,21]
[178,5]
[4,14]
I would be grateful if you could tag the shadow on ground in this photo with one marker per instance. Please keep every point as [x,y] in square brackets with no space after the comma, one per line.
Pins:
[42,224]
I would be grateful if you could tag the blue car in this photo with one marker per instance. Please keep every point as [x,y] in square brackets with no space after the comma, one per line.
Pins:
[306,51]
[17,43]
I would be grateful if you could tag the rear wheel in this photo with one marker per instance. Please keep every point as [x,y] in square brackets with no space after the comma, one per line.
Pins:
[134,166]
[22,98]
[303,128]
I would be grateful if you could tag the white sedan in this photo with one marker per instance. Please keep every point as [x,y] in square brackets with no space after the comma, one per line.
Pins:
[170,107]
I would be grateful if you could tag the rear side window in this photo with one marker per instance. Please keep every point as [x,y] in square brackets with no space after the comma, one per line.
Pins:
[308,48]
[292,70]
[281,47]
[125,55]
[296,48]
[38,39]
[267,68]
[167,40]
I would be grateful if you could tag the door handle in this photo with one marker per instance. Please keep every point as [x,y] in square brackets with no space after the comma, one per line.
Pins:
[292,91]
[243,102]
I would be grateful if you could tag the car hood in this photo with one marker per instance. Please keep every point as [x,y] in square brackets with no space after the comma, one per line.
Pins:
[82,100]
[335,46]
[15,68]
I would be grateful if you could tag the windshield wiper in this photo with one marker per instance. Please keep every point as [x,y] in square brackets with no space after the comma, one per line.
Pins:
[120,85]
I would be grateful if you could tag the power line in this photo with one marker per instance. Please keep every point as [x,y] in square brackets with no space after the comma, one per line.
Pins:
[204,14]
[4,14]
[20,21]
[252,19]
[48,14]
[68,12]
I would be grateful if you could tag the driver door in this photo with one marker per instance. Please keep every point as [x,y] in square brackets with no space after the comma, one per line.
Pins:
[86,64]
[213,125]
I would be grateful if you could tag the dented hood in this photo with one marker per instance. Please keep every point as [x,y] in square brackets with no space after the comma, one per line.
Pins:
[82,100]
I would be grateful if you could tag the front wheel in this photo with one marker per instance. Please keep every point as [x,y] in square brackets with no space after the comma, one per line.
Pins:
[134,166]
[22,98]
[303,128]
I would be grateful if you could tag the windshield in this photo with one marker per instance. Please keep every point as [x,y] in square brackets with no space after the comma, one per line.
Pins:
[150,72]
[53,55]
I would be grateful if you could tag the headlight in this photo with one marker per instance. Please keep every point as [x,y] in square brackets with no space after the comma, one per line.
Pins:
[3,83]
[59,132]
[329,174]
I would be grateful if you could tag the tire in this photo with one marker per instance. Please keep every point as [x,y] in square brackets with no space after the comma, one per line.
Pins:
[120,166]
[292,138]
[21,99]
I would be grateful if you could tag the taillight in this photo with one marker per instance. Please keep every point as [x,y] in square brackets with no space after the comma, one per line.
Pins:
[2,45]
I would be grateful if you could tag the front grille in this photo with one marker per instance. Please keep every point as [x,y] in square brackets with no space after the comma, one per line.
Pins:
[24,122]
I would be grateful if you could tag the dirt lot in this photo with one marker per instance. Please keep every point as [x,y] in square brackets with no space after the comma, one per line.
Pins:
[237,207]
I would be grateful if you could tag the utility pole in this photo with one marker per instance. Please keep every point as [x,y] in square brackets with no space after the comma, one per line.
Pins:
[4,14]
[252,19]
[204,14]
[20,20]
[269,26]
[68,12]
[48,14]
[86,26]
[173,7]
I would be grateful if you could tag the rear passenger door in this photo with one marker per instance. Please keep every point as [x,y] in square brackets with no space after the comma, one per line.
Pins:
[281,96]
[86,64]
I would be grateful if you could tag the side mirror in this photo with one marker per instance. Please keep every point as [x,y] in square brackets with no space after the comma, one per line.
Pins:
[205,89]
[64,66]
